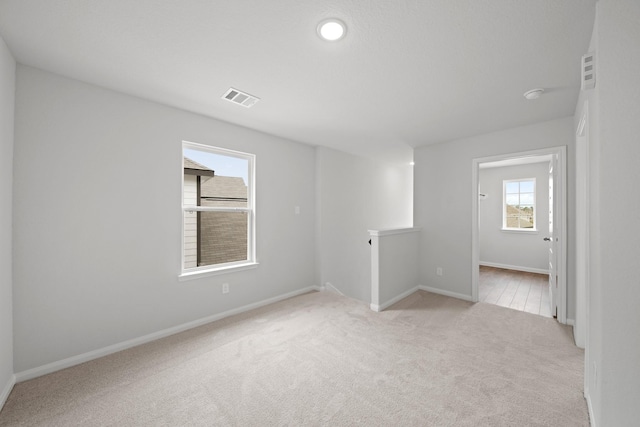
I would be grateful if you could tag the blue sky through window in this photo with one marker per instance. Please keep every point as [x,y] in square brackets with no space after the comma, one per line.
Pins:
[520,193]
[222,165]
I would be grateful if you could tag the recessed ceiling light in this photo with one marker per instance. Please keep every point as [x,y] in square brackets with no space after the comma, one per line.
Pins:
[533,93]
[332,29]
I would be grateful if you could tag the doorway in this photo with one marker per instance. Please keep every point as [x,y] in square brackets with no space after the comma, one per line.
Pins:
[551,234]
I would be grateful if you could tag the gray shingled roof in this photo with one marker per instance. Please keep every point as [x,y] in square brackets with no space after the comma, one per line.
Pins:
[224,188]
[189,164]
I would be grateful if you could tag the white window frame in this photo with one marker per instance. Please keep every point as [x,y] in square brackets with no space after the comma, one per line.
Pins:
[251,261]
[504,207]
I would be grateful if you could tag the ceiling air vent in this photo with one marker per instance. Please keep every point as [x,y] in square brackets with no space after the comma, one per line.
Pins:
[589,71]
[240,98]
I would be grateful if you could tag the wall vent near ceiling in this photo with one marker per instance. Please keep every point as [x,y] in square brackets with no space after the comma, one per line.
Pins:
[241,98]
[589,71]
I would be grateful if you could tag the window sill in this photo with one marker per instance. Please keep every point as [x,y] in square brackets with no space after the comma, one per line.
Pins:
[520,230]
[191,275]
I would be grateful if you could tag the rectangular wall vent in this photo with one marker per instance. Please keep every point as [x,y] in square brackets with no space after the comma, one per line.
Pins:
[241,98]
[589,71]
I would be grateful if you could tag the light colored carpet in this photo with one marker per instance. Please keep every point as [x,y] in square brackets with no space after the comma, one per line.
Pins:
[324,359]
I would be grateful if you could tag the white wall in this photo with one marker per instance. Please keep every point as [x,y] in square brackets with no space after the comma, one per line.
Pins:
[613,346]
[98,218]
[7,93]
[443,199]
[394,265]
[593,344]
[355,195]
[515,249]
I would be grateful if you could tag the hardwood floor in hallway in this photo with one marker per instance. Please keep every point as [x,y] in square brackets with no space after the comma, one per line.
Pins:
[517,290]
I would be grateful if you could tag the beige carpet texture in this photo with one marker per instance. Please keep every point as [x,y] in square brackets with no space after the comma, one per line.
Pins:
[324,359]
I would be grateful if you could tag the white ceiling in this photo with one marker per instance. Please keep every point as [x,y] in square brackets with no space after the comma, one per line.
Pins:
[408,73]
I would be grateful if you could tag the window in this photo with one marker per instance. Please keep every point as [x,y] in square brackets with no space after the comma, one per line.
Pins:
[519,204]
[217,209]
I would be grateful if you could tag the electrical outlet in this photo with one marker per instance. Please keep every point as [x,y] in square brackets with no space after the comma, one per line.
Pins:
[439,271]
[296,210]
[225,288]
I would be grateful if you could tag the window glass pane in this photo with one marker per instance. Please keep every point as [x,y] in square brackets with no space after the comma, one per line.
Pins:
[526,199]
[524,222]
[512,187]
[223,237]
[526,187]
[513,199]
[221,165]
[526,217]
[223,191]
[519,204]
[216,178]
[214,238]
[512,221]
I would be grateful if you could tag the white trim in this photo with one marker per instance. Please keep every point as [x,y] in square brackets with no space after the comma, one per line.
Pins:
[328,287]
[475,229]
[380,307]
[446,293]
[571,322]
[520,230]
[250,209]
[563,175]
[192,208]
[7,391]
[582,251]
[520,154]
[95,354]
[592,418]
[375,273]
[217,150]
[514,267]
[504,204]
[580,130]
[197,274]
[391,231]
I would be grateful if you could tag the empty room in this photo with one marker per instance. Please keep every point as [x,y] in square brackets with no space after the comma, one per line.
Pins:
[322,212]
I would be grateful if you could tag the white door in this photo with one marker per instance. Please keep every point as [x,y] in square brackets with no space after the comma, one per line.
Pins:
[552,240]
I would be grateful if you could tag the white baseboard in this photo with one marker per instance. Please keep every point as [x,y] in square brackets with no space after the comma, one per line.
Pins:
[376,307]
[514,267]
[7,390]
[91,355]
[330,288]
[571,322]
[446,293]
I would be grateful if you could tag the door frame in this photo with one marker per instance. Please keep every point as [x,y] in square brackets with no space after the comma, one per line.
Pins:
[560,206]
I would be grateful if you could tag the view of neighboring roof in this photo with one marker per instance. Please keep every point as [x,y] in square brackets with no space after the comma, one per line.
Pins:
[221,235]
[195,168]
[224,188]
[217,190]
